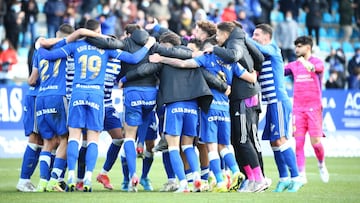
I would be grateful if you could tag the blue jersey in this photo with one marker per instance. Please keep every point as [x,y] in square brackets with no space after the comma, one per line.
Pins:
[112,70]
[271,78]
[52,74]
[223,71]
[90,63]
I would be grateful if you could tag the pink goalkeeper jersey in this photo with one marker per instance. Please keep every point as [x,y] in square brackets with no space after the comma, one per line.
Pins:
[307,85]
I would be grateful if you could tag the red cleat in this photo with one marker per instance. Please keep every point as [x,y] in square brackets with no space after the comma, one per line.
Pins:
[104,179]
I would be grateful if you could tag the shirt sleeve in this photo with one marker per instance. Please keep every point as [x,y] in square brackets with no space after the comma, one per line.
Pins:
[62,52]
[132,58]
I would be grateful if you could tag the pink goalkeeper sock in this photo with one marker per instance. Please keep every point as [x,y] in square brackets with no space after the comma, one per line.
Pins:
[258,174]
[300,154]
[249,173]
[319,152]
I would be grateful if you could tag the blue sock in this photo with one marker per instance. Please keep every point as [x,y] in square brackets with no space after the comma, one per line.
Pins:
[125,169]
[59,168]
[215,166]
[147,162]
[188,175]
[45,161]
[130,154]
[280,163]
[167,165]
[191,157]
[222,163]
[72,154]
[177,164]
[205,172]
[290,160]
[229,160]
[91,156]
[81,163]
[111,156]
[30,160]
[62,176]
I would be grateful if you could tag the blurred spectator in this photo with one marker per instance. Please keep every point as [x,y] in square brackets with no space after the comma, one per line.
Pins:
[13,21]
[357,12]
[70,16]
[354,70]
[214,16]
[128,12]
[266,7]
[229,13]
[88,6]
[107,20]
[334,81]
[337,60]
[290,5]
[159,9]
[346,12]
[31,11]
[185,17]
[252,8]
[8,57]
[247,25]
[198,11]
[314,12]
[285,36]
[55,11]
[3,9]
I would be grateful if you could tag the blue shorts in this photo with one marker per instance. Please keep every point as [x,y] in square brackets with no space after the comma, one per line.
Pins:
[138,104]
[149,128]
[86,110]
[215,127]
[51,114]
[181,118]
[277,121]
[29,118]
[112,119]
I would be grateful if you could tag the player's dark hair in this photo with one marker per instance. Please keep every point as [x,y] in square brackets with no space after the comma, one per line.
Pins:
[265,28]
[195,41]
[66,29]
[170,37]
[211,40]
[207,26]
[130,28]
[226,26]
[304,40]
[92,24]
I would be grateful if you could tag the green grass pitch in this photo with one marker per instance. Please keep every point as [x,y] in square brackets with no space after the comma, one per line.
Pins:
[344,186]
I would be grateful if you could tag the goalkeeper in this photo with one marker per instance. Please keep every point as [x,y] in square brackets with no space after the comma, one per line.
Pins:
[307,108]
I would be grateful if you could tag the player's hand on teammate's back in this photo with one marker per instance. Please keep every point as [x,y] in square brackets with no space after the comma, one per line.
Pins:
[155,58]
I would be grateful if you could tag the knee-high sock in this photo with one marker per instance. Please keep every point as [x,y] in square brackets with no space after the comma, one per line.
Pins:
[259,177]
[112,154]
[191,158]
[72,155]
[130,154]
[249,173]
[81,162]
[91,156]
[147,163]
[30,160]
[215,166]
[290,159]
[280,163]
[59,168]
[45,161]
[167,165]
[319,152]
[125,169]
[229,159]
[176,163]
[300,154]
[204,172]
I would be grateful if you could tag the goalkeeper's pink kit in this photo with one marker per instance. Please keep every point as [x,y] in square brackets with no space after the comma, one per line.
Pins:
[307,107]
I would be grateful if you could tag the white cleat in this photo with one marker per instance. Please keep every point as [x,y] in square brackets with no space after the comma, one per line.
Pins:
[324,174]
[25,187]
